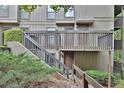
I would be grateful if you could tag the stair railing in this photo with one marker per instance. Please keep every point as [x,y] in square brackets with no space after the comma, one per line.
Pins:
[43,54]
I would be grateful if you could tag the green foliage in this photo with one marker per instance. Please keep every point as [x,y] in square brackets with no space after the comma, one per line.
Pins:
[101,77]
[14,34]
[120,84]
[3,46]
[120,14]
[20,70]
[28,8]
[117,35]
[56,8]
[117,55]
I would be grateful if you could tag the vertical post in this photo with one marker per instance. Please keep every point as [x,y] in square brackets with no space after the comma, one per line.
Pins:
[85,82]
[110,69]
[73,73]
[24,40]
[67,73]
[122,30]
[75,35]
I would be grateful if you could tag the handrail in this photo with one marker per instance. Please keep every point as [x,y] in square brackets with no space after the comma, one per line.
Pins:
[86,77]
[71,31]
[36,46]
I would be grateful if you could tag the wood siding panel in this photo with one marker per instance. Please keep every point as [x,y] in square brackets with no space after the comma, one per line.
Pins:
[100,11]
[103,16]
[103,61]
[37,26]
[80,11]
[86,60]
[40,14]
[68,58]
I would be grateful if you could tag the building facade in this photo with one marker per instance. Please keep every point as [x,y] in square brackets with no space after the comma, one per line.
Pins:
[74,37]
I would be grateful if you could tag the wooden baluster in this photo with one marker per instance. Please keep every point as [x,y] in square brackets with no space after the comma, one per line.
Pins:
[67,73]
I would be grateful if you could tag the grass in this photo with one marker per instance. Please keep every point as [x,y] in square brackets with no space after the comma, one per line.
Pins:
[102,77]
[3,47]
[20,70]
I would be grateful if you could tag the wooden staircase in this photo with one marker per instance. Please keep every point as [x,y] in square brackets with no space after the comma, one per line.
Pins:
[75,74]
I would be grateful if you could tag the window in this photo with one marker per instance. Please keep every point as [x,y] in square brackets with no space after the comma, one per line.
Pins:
[25,28]
[51,13]
[51,29]
[24,15]
[4,10]
[70,12]
[51,36]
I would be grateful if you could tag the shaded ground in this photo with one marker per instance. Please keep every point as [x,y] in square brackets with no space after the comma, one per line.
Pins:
[53,82]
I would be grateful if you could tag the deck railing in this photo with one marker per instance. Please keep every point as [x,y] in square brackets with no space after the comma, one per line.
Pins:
[84,79]
[73,40]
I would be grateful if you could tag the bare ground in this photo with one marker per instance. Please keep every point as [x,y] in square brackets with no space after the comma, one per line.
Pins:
[55,81]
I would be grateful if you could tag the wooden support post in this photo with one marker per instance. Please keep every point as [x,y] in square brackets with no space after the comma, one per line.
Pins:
[59,55]
[67,73]
[122,53]
[85,83]
[110,69]
[73,73]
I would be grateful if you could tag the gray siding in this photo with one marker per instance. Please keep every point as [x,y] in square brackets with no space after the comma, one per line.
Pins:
[92,60]
[101,14]
[86,60]
[40,14]
[12,15]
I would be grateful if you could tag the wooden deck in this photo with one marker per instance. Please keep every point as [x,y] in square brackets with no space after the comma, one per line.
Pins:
[74,40]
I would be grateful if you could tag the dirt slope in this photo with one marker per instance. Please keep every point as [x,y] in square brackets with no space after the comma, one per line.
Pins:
[55,81]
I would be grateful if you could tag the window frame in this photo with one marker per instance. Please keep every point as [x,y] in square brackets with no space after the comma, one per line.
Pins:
[7,11]
[24,18]
[70,16]
[50,12]
[51,38]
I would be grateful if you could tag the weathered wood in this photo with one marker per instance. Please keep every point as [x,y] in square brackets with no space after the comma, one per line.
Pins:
[93,82]
[87,79]
[77,69]
[74,40]
[110,70]
[85,83]
[42,53]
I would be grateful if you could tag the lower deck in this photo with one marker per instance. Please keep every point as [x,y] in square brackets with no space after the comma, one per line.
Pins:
[86,60]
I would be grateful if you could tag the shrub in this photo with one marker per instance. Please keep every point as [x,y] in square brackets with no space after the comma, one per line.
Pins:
[102,77]
[14,34]
[120,84]
[21,70]
[117,55]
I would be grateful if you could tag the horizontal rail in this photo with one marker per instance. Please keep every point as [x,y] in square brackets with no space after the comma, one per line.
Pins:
[70,31]
[86,78]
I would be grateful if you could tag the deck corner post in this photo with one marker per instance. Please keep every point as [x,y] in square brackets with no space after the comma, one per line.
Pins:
[109,69]
[85,82]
